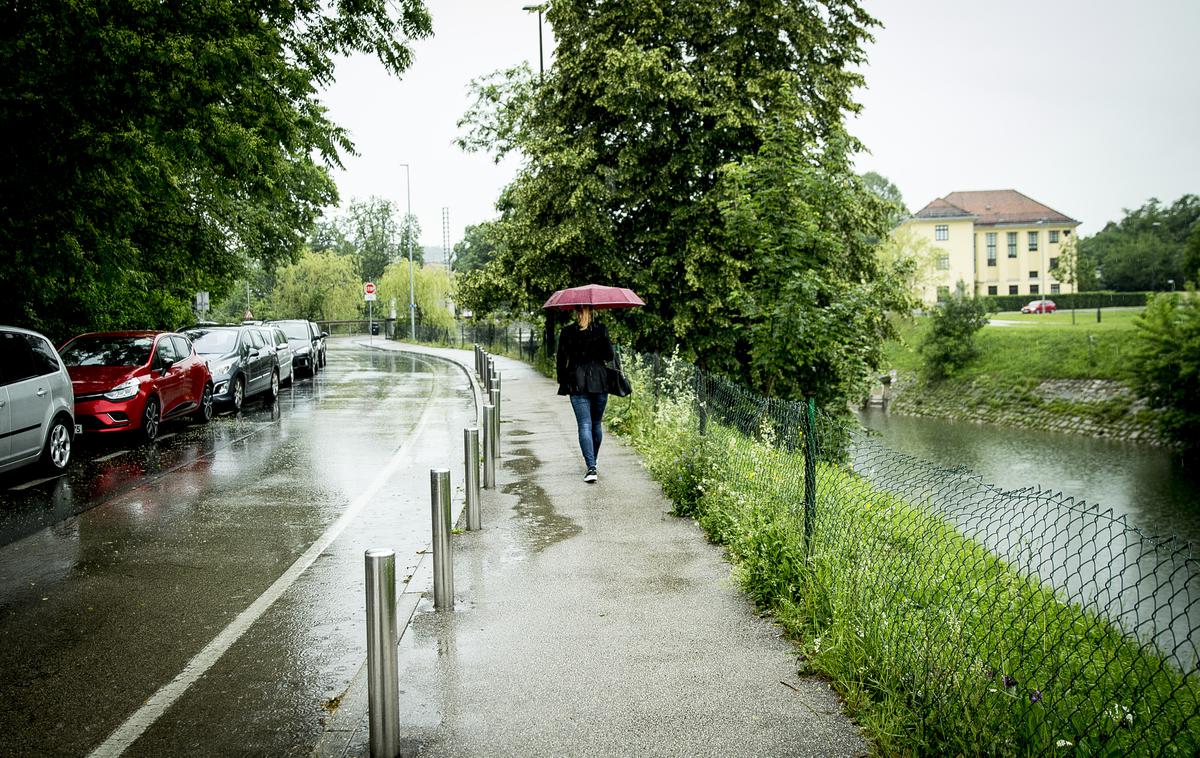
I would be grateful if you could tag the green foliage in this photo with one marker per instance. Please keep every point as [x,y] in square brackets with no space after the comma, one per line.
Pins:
[319,286]
[1146,248]
[152,149]
[949,344]
[884,188]
[649,148]
[476,248]
[1166,365]
[431,292]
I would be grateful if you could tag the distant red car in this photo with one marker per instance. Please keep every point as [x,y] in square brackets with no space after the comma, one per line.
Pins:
[1040,306]
[133,381]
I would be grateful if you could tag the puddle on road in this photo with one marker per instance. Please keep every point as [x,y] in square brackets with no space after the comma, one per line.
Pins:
[539,525]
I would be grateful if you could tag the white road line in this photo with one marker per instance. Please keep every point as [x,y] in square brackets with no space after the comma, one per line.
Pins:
[109,457]
[34,483]
[158,703]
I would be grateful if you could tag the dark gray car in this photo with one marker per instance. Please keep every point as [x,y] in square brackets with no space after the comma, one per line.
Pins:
[307,354]
[241,362]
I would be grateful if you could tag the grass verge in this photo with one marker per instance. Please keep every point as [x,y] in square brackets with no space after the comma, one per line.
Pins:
[937,646]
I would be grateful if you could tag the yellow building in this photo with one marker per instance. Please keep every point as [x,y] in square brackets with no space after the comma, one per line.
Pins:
[998,242]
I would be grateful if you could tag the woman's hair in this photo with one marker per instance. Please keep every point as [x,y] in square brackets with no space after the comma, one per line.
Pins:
[584,315]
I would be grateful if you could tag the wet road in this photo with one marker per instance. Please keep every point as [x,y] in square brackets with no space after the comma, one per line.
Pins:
[134,586]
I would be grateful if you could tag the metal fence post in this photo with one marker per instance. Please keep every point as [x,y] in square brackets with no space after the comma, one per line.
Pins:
[810,472]
[489,453]
[383,676]
[471,459]
[496,422]
[443,560]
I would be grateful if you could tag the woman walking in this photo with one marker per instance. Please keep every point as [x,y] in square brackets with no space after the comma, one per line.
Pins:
[583,349]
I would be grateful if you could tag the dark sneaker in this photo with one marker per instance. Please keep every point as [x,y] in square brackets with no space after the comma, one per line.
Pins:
[590,476]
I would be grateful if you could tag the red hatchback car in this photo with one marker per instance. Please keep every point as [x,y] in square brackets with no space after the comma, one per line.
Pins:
[1039,306]
[133,381]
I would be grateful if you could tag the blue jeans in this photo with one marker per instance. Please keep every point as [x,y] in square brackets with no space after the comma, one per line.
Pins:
[589,410]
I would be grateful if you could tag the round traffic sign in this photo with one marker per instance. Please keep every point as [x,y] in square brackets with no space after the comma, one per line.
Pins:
[369,288]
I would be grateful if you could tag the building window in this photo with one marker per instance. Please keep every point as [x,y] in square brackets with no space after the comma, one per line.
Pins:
[1033,275]
[1053,263]
[991,248]
[943,261]
[991,289]
[1012,244]
[1054,289]
[943,294]
[1033,241]
[941,232]
[1066,232]
[1012,289]
[1053,236]
[1033,289]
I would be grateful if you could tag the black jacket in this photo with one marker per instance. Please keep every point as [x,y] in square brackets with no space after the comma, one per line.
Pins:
[581,357]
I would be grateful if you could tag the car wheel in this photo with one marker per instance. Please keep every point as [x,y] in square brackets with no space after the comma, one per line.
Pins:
[151,419]
[204,413]
[274,391]
[57,452]
[239,393]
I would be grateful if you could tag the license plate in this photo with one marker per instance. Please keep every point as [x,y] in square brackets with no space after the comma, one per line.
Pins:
[79,428]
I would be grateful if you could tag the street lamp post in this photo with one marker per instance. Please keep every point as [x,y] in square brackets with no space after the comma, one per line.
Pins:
[412,306]
[541,62]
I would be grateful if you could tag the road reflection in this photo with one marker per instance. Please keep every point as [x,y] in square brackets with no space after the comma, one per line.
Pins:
[106,466]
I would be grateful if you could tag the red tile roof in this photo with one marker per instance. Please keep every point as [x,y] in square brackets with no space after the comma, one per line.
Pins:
[992,207]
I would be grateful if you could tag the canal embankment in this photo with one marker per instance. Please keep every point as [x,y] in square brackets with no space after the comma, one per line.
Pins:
[1042,371]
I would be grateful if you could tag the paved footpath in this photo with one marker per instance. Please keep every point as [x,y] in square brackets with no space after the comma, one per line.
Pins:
[588,620]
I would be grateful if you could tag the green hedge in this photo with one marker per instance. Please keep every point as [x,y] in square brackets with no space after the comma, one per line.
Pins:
[1083,300]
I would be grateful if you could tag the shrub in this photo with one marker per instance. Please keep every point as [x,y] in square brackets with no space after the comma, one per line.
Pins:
[950,343]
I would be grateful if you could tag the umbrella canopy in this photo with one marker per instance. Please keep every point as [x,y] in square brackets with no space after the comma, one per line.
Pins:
[596,295]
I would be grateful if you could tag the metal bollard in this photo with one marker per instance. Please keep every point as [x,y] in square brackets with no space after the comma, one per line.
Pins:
[383,676]
[471,459]
[499,391]
[489,451]
[443,559]
[491,373]
[496,422]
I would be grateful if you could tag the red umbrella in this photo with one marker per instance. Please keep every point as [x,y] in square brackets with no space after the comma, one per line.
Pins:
[596,295]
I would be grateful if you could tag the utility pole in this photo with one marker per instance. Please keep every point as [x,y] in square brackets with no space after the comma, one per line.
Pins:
[412,306]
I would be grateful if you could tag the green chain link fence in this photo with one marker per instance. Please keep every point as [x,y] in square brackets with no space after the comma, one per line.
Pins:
[955,617]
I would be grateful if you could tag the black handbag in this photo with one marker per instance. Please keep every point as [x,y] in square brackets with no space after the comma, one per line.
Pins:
[615,380]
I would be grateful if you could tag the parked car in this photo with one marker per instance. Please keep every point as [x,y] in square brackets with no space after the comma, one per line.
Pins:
[135,381]
[1040,306]
[284,357]
[319,335]
[37,408]
[306,349]
[241,363]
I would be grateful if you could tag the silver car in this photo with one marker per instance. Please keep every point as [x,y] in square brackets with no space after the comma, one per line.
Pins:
[275,338]
[37,405]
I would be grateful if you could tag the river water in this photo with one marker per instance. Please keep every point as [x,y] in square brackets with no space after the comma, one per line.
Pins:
[1149,486]
[1001,487]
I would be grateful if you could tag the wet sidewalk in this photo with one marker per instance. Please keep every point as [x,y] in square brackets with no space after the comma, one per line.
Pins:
[588,620]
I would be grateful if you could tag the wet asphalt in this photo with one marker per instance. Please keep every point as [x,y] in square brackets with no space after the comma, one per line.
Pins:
[115,578]
[588,621]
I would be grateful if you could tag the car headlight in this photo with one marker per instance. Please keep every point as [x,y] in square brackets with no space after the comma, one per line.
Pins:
[222,368]
[124,390]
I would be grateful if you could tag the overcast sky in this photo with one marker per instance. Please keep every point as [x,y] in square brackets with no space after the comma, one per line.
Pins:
[1088,107]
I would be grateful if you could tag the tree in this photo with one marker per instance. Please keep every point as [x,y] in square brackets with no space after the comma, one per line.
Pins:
[432,293]
[883,187]
[627,138]
[153,149]
[476,248]
[1166,365]
[319,287]
[374,234]
[1145,250]
[950,343]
